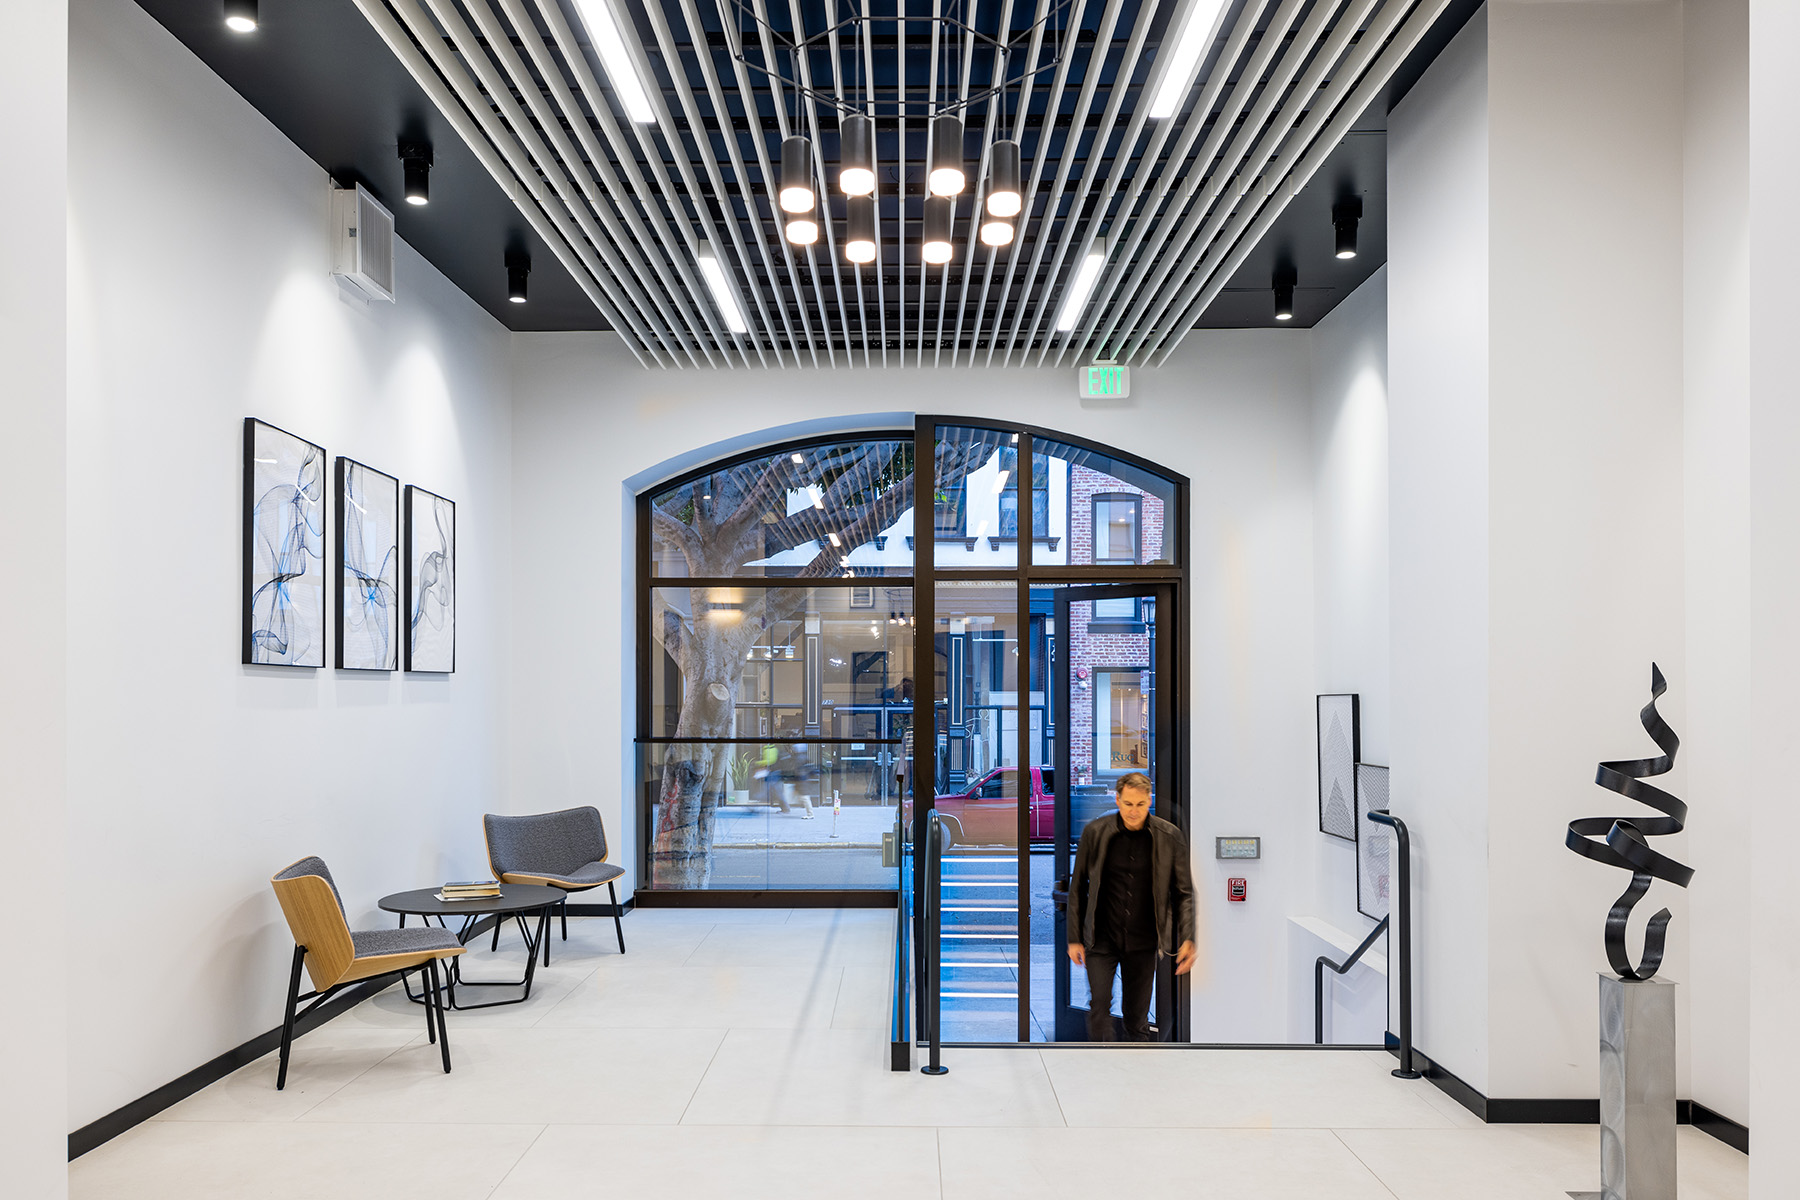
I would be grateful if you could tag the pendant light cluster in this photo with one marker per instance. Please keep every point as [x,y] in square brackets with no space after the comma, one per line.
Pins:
[947,178]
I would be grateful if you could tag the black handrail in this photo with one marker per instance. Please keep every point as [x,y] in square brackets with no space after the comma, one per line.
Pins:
[1319,966]
[932,971]
[1403,898]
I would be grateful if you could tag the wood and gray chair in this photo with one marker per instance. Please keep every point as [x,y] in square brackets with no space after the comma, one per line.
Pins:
[564,849]
[336,956]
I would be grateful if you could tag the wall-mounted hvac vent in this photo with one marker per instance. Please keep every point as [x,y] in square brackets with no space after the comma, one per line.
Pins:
[364,235]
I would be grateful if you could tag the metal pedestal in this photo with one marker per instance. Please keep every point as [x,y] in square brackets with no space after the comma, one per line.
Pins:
[1637,1089]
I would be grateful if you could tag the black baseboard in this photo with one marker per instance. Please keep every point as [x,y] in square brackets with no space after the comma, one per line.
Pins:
[1724,1128]
[749,899]
[1510,1111]
[98,1133]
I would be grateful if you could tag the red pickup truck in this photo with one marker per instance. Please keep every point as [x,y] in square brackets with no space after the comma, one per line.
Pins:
[986,813]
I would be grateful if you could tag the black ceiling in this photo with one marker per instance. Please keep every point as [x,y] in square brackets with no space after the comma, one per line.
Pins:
[322,75]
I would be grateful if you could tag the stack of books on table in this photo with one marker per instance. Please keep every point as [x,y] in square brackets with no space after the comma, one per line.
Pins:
[476,889]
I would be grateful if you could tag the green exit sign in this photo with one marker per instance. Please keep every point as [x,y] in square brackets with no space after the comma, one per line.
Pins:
[1106,381]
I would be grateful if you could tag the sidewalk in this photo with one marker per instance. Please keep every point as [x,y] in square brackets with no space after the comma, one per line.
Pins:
[766,827]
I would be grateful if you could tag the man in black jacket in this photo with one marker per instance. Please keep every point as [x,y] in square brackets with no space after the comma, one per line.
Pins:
[1131,896]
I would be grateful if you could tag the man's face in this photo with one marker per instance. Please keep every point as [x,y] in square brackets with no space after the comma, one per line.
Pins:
[1134,807]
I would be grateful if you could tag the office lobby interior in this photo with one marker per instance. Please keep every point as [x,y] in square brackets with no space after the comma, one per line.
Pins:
[590,582]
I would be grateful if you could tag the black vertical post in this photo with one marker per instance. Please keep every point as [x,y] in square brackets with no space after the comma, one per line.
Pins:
[1407,1068]
[931,981]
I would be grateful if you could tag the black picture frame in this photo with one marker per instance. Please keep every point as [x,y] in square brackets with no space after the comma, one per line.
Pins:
[1338,733]
[285,513]
[429,573]
[1374,844]
[355,652]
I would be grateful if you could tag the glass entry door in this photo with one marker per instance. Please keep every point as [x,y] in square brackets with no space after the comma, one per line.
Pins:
[1114,718]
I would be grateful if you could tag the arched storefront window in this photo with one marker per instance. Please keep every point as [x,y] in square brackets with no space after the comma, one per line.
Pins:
[788,660]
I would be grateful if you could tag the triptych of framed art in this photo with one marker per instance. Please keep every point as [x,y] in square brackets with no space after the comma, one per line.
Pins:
[1349,790]
[393,587]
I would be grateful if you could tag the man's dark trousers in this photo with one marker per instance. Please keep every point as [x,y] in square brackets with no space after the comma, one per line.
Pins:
[1139,978]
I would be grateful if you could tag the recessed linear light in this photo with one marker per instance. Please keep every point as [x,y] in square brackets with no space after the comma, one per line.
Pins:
[723,293]
[621,71]
[241,16]
[1196,35]
[1080,288]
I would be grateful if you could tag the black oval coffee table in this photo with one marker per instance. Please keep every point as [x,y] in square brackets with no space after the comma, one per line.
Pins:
[515,900]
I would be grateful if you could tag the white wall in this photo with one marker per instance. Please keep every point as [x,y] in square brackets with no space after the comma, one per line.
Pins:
[1717,741]
[199,295]
[33,783]
[1774,699]
[1438,497]
[1585,495]
[1348,360]
[1233,413]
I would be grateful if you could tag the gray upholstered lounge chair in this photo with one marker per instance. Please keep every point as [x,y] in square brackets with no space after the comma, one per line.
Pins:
[565,849]
[335,956]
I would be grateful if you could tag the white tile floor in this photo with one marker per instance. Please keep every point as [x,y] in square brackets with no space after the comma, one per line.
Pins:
[742,1054]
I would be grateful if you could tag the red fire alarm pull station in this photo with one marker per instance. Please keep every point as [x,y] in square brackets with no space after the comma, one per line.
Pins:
[1236,889]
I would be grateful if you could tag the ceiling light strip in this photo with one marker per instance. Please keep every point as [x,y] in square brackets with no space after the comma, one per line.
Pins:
[662,293]
[1198,32]
[1104,208]
[1137,221]
[623,71]
[1053,102]
[1402,44]
[1244,159]
[1080,227]
[523,191]
[769,175]
[1172,232]
[1302,119]
[649,226]
[1046,228]
[542,161]
[715,94]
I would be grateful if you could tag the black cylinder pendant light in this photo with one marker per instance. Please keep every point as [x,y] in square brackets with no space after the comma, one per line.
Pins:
[241,16]
[856,169]
[947,177]
[859,247]
[797,194]
[1344,216]
[940,217]
[415,158]
[518,270]
[1004,197]
[1283,283]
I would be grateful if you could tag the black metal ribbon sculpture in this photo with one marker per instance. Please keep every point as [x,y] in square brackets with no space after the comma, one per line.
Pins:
[1622,841]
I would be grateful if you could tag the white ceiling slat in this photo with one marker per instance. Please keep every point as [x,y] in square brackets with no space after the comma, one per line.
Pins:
[1232,215]
[1180,203]
[1053,102]
[662,292]
[1239,166]
[1137,216]
[443,60]
[499,94]
[495,162]
[1403,42]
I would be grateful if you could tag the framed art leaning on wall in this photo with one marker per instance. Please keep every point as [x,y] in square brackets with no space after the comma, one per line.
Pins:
[284,548]
[430,586]
[367,584]
[1340,745]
